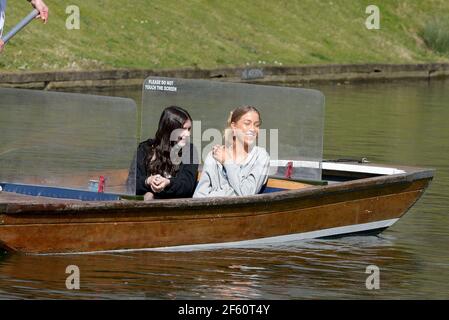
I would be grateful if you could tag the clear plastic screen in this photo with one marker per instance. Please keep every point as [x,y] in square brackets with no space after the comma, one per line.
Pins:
[67,140]
[292,118]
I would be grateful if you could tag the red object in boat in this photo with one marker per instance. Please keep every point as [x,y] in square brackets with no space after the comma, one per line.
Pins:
[101,184]
[289,170]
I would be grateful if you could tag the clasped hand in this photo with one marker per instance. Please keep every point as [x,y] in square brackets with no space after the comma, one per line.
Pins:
[157,183]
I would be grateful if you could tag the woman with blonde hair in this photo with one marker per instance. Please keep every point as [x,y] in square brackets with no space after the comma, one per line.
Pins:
[240,167]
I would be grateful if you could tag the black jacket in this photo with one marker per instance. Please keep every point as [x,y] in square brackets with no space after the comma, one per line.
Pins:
[182,185]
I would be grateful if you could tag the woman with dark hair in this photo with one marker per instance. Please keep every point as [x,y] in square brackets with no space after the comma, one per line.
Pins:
[239,167]
[165,164]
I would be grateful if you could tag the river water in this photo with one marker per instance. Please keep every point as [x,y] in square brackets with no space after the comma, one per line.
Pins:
[399,123]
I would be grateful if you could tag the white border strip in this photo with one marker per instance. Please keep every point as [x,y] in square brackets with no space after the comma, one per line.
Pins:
[360,168]
[337,166]
[258,242]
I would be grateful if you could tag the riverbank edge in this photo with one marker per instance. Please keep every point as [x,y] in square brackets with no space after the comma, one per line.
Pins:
[290,75]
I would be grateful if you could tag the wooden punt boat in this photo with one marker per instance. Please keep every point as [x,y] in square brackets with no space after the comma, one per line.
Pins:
[352,198]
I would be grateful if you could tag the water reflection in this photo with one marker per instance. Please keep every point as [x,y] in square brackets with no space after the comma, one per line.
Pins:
[312,269]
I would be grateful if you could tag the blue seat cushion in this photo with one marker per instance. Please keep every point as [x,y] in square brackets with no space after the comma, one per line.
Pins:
[271,189]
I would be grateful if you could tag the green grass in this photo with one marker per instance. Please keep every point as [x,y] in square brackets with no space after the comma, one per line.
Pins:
[436,34]
[217,33]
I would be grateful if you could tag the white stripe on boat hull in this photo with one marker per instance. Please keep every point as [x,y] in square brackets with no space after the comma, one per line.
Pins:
[261,241]
[287,238]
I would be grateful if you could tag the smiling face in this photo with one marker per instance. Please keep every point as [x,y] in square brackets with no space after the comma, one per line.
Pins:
[246,129]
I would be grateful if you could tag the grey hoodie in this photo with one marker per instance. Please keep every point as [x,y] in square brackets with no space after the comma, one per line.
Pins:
[232,179]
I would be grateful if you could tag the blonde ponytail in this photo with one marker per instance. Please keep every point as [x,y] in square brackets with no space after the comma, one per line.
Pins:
[229,121]
[228,134]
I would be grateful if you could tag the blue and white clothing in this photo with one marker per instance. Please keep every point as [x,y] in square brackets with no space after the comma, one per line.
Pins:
[2,15]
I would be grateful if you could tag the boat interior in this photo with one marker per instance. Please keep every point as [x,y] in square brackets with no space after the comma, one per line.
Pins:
[332,173]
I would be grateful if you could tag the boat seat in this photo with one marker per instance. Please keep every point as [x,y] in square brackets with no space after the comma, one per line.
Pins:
[57,192]
[271,190]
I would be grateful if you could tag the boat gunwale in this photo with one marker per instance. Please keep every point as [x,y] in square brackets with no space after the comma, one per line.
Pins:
[410,175]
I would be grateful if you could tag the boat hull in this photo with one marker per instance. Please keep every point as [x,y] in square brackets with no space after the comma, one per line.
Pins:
[320,211]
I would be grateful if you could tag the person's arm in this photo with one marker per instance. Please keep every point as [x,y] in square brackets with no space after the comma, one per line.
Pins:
[42,8]
[141,172]
[204,187]
[183,184]
[39,5]
[254,181]
[2,23]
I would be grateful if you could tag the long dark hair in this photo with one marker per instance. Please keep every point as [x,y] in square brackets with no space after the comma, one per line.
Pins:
[172,118]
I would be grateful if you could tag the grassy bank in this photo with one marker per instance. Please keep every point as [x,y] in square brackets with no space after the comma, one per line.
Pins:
[215,33]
